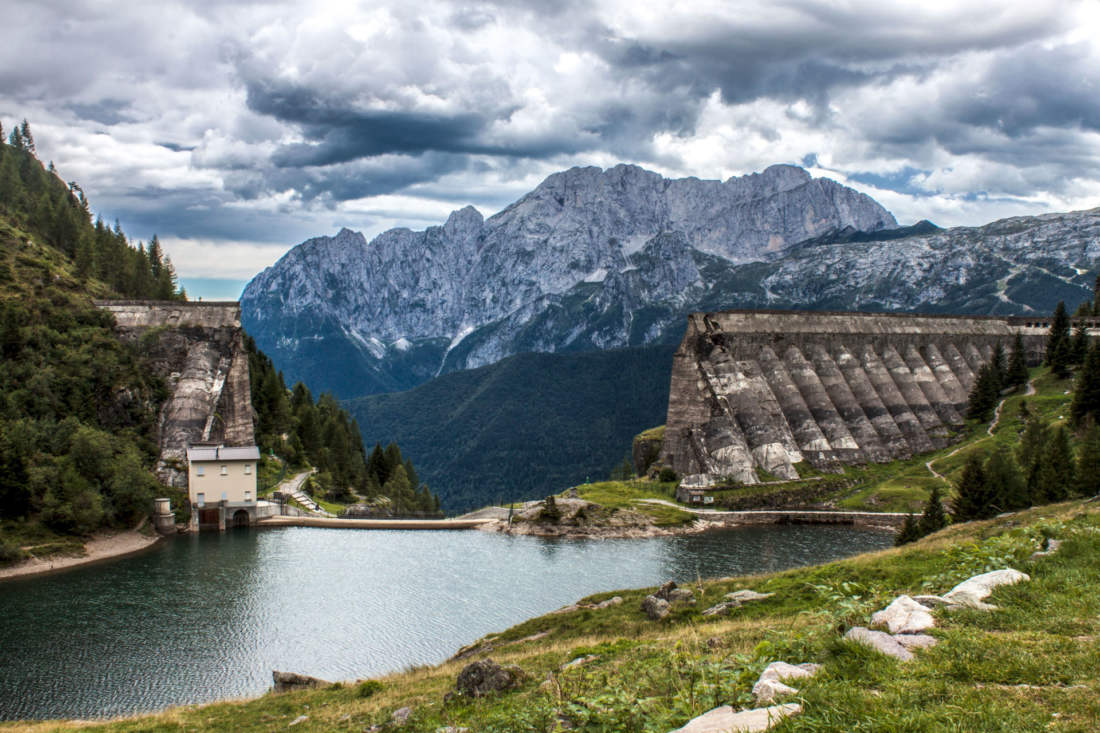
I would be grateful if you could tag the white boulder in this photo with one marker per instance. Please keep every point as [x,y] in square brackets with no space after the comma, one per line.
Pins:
[904,616]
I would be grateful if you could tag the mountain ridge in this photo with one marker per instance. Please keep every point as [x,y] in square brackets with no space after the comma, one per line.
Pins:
[585,242]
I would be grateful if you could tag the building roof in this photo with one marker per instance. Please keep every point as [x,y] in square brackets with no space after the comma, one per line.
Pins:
[223,453]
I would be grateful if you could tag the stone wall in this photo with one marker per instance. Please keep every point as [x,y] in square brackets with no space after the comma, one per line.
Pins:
[198,348]
[762,391]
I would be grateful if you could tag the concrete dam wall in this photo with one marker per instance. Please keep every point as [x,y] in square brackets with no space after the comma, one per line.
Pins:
[767,390]
[198,348]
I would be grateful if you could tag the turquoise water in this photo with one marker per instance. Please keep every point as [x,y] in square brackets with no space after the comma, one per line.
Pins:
[208,617]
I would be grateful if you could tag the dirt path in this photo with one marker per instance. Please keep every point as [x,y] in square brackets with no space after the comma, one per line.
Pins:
[989,433]
[100,547]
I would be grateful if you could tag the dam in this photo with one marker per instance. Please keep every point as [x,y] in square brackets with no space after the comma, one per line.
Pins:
[198,348]
[756,394]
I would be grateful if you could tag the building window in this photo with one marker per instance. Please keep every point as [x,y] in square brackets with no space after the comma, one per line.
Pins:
[225,470]
[200,499]
[225,496]
[200,470]
[247,495]
[248,469]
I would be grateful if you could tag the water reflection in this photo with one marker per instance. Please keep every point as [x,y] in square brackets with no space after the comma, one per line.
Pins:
[207,617]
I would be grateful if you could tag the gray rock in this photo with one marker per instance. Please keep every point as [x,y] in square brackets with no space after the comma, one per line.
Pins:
[288,681]
[722,609]
[1051,548]
[725,720]
[766,691]
[972,592]
[613,601]
[656,608]
[904,616]
[880,641]
[747,596]
[401,716]
[296,721]
[666,590]
[681,595]
[486,677]
[786,671]
[931,601]
[770,684]
[579,661]
[916,641]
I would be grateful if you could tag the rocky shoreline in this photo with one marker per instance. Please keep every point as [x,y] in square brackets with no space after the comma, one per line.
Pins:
[572,518]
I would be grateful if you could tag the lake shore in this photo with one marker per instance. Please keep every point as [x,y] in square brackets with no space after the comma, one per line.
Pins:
[98,549]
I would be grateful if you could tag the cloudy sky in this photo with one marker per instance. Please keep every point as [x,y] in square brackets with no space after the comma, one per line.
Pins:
[235,130]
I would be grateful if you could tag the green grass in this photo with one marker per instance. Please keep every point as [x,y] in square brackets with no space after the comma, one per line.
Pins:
[1028,666]
[628,495]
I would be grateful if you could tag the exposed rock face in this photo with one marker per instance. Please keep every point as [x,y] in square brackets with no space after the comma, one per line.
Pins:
[762,391]
[198,348]
[567,267]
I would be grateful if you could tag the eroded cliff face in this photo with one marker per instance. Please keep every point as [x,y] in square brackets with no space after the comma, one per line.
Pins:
[757,391]
[198,348]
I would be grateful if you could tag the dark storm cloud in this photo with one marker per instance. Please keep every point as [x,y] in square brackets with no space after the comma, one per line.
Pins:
[106,111]
[356,179]
[1038,86]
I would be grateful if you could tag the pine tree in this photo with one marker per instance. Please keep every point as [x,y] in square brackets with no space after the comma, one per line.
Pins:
[1017,375]
[1005,487]
[1057,475]
[934,518]
[909,531]
[28,139]
[1088,461]
[1058,334]
[1032,442]
[971,497]
[1086,392]
[1060,357]
[376,465]
[998,364]
[984,395]
[1079,344]
[1096,297]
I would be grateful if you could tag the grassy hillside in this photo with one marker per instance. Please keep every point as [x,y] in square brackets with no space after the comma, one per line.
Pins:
[525,427]
[1028,666]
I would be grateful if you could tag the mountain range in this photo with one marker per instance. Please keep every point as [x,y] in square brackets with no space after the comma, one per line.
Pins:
[593,260]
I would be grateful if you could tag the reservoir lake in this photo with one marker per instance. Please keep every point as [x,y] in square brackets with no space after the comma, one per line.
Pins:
[207,617]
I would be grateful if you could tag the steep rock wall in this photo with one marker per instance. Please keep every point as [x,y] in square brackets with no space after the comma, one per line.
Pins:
[762,391]
[198,348]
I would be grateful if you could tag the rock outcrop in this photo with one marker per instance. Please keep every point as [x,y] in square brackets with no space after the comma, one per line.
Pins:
[759,392]
[198,349]
[486,677]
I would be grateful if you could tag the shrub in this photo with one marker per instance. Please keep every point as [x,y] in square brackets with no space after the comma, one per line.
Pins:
[368,688]
[667,475]
[9,552]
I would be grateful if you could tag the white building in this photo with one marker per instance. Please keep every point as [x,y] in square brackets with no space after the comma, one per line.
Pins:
[221,484]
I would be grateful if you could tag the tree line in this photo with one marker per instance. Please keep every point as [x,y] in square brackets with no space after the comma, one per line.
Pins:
[321,434]
[38,200]
[1043,467]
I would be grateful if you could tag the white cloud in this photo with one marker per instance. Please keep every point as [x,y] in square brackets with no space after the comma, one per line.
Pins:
[236,129]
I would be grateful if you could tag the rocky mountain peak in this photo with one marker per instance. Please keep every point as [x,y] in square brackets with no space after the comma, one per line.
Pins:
[584,241]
